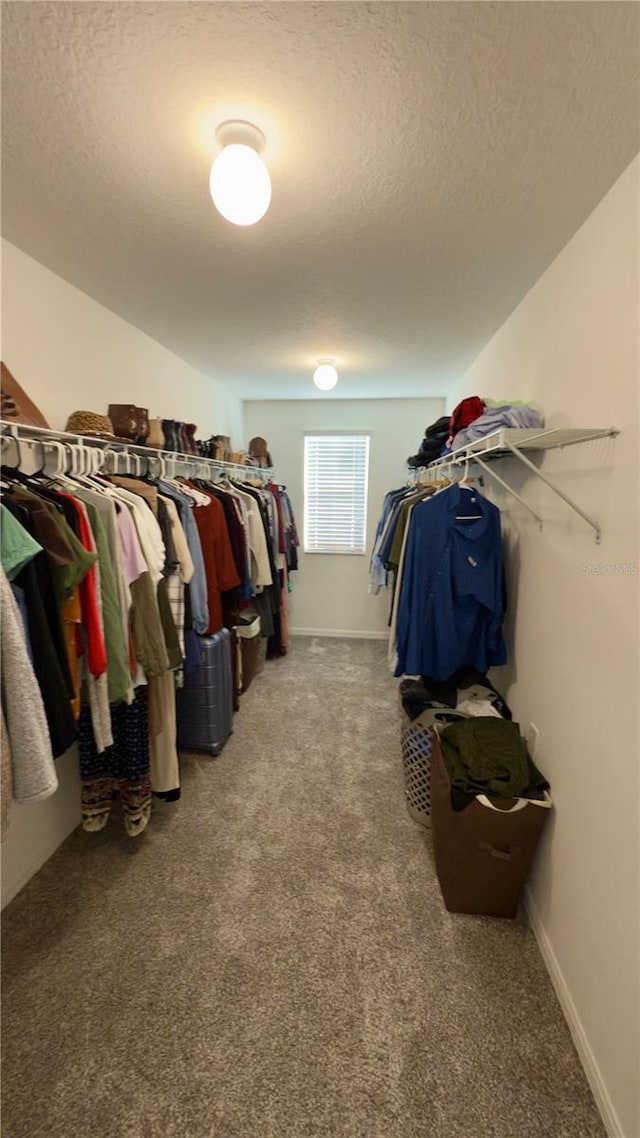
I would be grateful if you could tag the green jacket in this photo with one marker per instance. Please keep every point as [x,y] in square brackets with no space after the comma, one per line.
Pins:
[487,755]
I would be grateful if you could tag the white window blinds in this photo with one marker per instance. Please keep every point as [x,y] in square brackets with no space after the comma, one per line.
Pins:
[336,473]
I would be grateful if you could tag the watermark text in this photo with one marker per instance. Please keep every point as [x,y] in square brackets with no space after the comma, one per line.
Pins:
[611,568]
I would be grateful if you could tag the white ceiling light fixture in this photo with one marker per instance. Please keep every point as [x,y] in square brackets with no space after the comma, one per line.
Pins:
[239,181]
[326,375]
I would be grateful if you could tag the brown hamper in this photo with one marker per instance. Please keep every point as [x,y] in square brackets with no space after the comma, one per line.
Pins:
[483,856]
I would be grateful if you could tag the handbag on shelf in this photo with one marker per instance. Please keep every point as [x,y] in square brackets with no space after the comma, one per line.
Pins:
[129,422]
[259,452]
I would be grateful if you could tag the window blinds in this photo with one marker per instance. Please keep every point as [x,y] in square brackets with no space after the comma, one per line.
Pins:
[336,471]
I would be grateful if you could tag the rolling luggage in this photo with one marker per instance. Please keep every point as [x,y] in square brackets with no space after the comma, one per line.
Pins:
[205,703]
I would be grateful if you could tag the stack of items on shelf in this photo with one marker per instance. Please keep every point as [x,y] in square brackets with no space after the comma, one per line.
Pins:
[129,424]
[112,584]
[472,419]
[433,443]
[218,448]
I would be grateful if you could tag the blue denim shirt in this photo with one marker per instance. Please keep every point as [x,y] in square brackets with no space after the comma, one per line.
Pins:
[450,608]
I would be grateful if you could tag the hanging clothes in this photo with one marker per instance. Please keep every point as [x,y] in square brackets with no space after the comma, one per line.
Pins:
[17,546]
[46,636]
[28,770]
[218,558]
[112,581]
[198,603]
[387,559]
[451,603]
[122,767]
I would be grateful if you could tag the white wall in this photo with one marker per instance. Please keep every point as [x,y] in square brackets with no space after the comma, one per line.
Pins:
[69,353]
[572,346]
[330,591]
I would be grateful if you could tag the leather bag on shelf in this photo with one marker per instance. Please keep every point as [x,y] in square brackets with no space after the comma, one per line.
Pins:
[129,422]
[259,452]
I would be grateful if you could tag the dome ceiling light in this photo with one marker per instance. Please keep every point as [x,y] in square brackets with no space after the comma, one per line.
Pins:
[239,181]
[325,376]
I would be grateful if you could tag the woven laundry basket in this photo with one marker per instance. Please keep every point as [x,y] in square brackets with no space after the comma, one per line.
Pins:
[416,737]
[416,741]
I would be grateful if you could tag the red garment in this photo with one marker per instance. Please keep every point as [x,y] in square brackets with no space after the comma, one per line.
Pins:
[467,411]
[218,557]
[96,650]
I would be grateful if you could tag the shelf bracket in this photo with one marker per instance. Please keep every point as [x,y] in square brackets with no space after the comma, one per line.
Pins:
[505,486]
[565,497]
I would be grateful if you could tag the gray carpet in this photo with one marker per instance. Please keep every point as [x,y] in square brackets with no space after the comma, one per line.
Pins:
[273,958]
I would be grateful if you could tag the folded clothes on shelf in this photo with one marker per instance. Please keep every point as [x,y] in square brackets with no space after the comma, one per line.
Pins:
[495,418]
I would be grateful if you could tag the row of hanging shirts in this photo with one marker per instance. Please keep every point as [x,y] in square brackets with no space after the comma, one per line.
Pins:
[107,581]
[438,547]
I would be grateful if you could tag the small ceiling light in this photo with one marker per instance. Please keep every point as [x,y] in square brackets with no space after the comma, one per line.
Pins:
[325,376]
[239,181]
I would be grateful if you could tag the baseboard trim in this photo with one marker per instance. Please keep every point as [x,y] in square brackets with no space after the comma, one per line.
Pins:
[587,1058]
[341,633]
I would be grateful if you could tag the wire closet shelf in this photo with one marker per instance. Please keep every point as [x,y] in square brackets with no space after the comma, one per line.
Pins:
[512,442]
[33,447]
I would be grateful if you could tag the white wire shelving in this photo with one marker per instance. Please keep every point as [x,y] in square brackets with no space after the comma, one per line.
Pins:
[33,446]
[512,442]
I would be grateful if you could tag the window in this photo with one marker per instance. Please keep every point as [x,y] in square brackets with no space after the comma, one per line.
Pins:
[336,472]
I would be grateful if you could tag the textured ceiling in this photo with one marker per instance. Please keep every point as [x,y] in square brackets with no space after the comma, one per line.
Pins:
[428,161]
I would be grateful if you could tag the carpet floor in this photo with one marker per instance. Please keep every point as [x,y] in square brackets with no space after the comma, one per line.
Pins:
[272,959]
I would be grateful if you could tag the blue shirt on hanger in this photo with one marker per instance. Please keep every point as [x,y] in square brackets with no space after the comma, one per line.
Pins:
[198,584]
[450,607]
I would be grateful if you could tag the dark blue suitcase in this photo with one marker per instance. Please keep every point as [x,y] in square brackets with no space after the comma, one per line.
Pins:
[205,704]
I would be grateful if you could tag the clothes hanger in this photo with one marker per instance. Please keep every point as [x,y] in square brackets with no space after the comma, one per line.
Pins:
[29,460]
[10,451]
[463,484]
[82,465]
[61,455]
[97,479]
[464,480]
[197,496]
